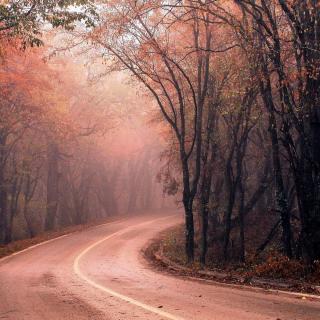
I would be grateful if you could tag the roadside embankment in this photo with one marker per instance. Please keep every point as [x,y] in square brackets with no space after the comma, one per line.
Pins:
[166,253]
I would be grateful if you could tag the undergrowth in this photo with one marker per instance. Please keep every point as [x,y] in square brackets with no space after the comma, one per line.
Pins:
[272,264]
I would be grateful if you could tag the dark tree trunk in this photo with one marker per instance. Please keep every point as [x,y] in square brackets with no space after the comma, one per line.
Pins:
[28,192]
[204,234]
[270,236]
[310,218]
[52,186]
[281,199]
[189,245]
[242,225]
[3,189]
[227,220]
[237,154]
[14,197]
[204,205]
[3,211]
[187,200]
[28,221]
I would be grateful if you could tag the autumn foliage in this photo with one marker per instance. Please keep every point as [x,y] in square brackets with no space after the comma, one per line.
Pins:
[236,86]
[237,83]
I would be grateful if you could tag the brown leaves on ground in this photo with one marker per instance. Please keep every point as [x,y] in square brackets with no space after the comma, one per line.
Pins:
[273,265]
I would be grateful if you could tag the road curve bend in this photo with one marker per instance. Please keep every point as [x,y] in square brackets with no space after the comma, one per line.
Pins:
[100,273]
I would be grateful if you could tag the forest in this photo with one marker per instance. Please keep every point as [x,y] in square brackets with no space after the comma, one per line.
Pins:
[218,100]
[68,155]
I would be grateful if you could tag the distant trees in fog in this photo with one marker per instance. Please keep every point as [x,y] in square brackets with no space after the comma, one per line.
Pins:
[56,165]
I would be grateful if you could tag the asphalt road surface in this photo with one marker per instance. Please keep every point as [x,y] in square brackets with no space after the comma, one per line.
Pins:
[100,273]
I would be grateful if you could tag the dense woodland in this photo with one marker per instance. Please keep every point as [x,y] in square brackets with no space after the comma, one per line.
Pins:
[236,86]
[61,159]
[64,158]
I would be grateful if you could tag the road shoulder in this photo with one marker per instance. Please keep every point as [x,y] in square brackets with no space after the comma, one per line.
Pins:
[156,258]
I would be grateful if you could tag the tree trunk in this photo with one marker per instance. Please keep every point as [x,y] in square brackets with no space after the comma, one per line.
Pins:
[311,221]
[204,234]
[52,186]
[3,211]
[270,236]
[3,189]
[241,217]
[189,245]
[230,204]
[281,199]
[28,221]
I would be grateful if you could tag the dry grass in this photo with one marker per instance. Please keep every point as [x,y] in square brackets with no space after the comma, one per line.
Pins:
[273,265]
[171,245]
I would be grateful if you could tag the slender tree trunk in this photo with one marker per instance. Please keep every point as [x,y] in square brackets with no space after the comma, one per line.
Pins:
[3,189]
[310,233]
[228,214]
[281,199]
[3,211]
[28,220]
[204,234]
[205,189]
[13,206]
[315,214]
[187,200]
[242,225]
[136,171]
[52,186]
[270,236]
[189,245]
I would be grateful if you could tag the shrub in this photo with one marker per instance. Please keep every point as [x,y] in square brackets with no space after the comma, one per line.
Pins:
[279,266]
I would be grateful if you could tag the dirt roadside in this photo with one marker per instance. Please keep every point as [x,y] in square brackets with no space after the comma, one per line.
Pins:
[157,257]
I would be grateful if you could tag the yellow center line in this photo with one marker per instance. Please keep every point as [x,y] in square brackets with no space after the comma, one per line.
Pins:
[96,285]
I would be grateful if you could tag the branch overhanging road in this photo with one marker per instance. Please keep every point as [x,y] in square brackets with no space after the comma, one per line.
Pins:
[100,273]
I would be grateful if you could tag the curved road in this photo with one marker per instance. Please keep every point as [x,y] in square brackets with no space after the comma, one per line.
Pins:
[99,273]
